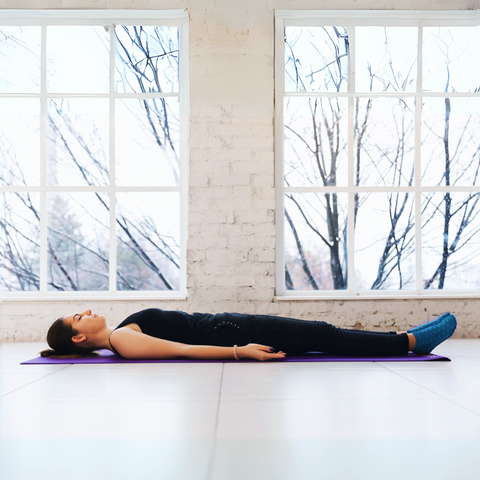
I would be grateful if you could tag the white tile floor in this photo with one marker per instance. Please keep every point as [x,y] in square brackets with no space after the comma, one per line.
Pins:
[234,421]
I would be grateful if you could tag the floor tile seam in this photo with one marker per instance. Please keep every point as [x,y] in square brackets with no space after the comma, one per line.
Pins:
[325,375]
[2,397]
[140,373]
[464,407]
[113,400]
[451,400]
[331,399]
[298,365]
[202,438]
[448,369]
[357,439]
[137,372]
[319,399]
[451,371]
[211,460]
[294,371]
[141,376]
[2,372]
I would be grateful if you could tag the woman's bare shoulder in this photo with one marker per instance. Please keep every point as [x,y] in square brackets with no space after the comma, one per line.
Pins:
[134,344]
[124,334]
[132,326]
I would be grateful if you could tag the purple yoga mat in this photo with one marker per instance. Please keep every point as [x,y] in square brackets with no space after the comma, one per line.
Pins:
[106,356]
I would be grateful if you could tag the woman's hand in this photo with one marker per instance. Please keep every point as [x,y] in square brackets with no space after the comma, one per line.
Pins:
[258,352]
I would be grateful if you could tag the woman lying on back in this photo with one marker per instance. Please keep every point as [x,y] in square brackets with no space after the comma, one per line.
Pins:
[159,334]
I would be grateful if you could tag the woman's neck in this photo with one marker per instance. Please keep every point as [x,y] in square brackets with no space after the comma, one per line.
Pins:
[101,339]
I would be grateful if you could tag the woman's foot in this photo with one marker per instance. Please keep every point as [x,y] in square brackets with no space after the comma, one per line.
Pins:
[428,338]
[429,324]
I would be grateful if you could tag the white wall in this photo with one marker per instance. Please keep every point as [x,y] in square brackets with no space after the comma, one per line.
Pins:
[231,243]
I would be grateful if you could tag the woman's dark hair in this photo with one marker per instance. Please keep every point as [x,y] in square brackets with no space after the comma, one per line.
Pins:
[59,338]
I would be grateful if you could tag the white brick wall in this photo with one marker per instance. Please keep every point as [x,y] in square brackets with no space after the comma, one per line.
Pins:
[231,244]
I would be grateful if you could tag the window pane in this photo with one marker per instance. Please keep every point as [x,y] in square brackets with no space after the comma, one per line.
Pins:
[315,148]
[450,59]
[148,241]
[384,141]
[147,59]
[386,59]
[20,59]
[78,59]
[384,241]
[451,241]
[19,241]
[450,142]
[147,142]
[77,141]
[316,59]
[78,241]
[19,141]
[315,241]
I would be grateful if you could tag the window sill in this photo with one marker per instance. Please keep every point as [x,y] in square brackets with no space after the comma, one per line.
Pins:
[387,296]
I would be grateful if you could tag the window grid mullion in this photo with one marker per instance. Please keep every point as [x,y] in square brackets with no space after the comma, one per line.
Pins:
[279,154]
[383,189]
[94,189]
[351,166]
[93,95]
[184,105]
[43,161]
[418,165]
[381,94]
[112,275]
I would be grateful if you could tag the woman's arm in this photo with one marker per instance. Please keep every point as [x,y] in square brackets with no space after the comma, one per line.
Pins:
[136,346]
[252,350]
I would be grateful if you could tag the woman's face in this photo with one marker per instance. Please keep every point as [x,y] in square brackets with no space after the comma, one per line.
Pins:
[86,323]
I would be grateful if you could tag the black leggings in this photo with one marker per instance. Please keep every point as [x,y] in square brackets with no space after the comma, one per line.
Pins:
[296,337]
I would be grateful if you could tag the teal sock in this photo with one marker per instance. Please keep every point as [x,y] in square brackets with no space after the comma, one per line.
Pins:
[429,324]
[428,338]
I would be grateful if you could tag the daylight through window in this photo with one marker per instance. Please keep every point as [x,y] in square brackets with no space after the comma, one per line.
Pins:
[92,147]
[377,160]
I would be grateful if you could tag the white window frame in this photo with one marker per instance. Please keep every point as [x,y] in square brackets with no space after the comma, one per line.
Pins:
[313,18]
[44,18]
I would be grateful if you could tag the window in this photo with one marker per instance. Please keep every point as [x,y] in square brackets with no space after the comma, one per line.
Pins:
[93,136]
[377,155]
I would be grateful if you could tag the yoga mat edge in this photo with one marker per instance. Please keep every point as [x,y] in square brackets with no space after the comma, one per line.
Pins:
[105,356]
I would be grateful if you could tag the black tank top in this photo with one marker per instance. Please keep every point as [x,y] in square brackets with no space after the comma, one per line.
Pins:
[170,325]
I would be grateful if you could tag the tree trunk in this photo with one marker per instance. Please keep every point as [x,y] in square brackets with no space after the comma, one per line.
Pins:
[448,200]
[306,269]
